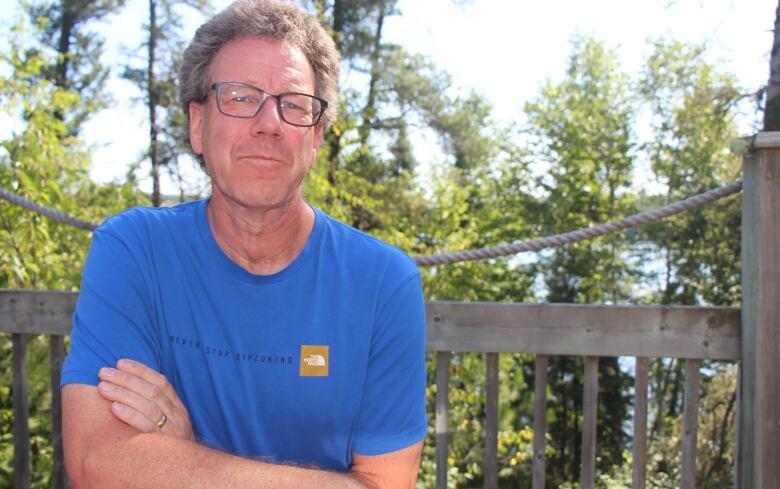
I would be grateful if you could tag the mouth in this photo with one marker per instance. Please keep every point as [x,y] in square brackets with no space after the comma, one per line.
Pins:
[259,157]
[261,161]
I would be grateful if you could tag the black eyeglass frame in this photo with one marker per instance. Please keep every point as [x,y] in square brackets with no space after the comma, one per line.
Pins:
[323,103]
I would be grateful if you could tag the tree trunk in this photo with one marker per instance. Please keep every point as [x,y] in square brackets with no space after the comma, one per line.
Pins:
[63,46]
[69,15]
[338,24]
[334,136]
[152,98]
[772,111]
[369,111]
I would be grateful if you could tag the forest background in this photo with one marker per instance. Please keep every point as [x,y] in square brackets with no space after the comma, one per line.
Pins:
[430,165]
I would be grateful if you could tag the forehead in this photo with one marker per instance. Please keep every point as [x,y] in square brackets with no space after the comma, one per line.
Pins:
[272,64]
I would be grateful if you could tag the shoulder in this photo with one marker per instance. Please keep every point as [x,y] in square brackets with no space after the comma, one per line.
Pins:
[140,222]
[366,252]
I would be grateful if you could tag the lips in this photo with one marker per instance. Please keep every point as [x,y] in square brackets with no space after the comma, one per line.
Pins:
[262,162]
[259,157]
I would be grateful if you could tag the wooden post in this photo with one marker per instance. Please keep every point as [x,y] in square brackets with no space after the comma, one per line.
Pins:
[56,359]
[690,424]
[442,417]
[540,420]
[639,469]
[759,429]
[589,415]
[21,403]
[491,421]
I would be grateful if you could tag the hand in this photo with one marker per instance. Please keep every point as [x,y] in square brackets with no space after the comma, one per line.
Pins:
[144,399]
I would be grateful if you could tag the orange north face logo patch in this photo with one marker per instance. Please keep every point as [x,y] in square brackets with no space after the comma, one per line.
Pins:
[314,361]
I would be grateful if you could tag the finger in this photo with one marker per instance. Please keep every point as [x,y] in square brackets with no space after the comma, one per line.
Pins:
[145,398]
[133,418]
[140,370]
[151,376]
[137,385]
[150,410]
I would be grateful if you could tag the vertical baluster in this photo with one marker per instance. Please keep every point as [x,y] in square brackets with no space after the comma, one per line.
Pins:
[737,414]
[540,420]
[640,422]
[442,417]
[21,413]
[690,424]
[589,412]
[491,422]
[56,358]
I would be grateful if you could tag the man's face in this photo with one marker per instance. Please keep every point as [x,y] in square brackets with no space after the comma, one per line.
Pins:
[258,162]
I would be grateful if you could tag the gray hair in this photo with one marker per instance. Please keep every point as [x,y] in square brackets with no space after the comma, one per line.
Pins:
[271,19]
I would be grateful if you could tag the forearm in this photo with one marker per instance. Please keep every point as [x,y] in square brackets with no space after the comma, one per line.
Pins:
[154,461]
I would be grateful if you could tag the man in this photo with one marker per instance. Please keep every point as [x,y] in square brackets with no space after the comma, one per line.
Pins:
[248,340]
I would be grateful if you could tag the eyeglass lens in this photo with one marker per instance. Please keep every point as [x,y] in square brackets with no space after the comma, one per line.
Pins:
[240,100]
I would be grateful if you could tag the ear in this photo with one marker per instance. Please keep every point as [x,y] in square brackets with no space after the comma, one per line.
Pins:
[196,125]
[318,131]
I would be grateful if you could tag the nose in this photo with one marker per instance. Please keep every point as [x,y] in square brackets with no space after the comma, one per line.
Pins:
[267,120]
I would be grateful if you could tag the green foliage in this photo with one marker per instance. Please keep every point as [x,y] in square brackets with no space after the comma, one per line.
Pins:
[694,106]
[582,131]
[45,163]
[582,135]
[715,447]
[77,66]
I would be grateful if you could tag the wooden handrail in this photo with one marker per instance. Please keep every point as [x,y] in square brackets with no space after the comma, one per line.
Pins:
[550,329]
[36,311]
[691,333]
[585,330]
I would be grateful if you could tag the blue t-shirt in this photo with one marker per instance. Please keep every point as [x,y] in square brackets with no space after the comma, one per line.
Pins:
[307,365]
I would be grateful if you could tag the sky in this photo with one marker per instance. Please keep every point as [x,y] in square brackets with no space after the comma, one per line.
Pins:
[503,49]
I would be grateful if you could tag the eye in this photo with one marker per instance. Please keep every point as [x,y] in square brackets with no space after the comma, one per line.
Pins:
[241,98]
[238,95]
[291,105]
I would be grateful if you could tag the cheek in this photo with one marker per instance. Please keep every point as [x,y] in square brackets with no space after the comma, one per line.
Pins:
[217,141]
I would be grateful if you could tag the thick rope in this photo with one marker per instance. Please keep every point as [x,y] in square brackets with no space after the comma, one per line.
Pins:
[50,213]
[559,240]
[555,241]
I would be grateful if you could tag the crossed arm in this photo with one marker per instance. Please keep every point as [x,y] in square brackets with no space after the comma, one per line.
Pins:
[112,440]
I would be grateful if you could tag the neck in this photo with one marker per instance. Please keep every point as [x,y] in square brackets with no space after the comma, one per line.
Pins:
[260,240]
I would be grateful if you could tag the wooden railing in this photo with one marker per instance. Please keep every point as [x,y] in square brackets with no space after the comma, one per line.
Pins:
[22,314]
[688,333]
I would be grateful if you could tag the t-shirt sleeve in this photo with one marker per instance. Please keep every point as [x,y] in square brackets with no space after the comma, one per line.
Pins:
[114,313]
[392,413]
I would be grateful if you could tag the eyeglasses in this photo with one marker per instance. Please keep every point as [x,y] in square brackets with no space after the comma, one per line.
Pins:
[245,101]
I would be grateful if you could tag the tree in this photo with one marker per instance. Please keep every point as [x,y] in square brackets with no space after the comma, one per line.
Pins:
[772,110]
[367,161]
[158,81]
[693,107]
[581,130]
[471,208]
[43,162]
[77,66]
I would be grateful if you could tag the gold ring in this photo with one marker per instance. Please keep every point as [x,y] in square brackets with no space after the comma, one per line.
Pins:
[162,421]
